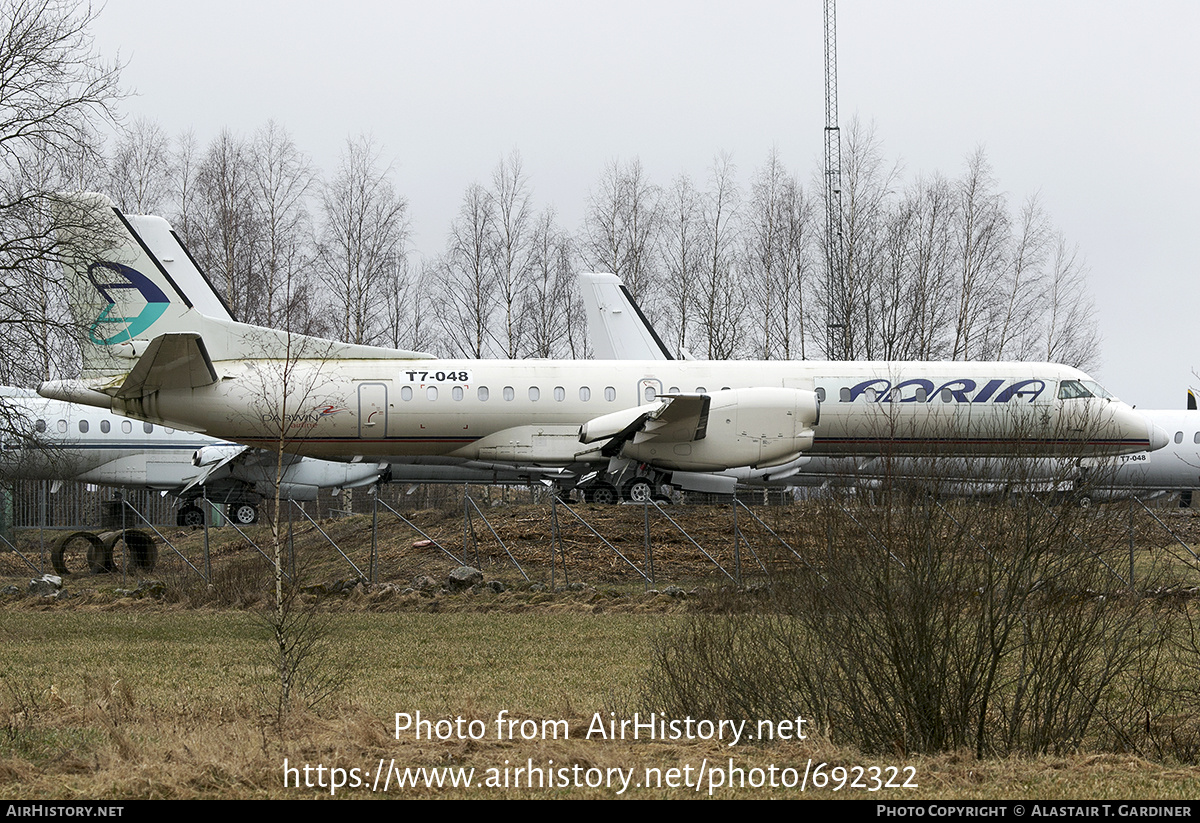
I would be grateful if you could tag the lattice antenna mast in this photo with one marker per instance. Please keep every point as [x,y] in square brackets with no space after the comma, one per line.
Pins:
[836,316]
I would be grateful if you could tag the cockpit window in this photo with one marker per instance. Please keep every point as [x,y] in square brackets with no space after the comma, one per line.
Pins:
[1097,390]
[1072,390]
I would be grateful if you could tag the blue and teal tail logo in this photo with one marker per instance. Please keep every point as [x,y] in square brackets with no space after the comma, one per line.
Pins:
[134,303]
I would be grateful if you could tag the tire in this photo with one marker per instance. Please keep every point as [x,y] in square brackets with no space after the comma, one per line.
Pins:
[190,516]
[141,549]
[71,548]
[244,514]
[638,490]
[604,494]
[661,499]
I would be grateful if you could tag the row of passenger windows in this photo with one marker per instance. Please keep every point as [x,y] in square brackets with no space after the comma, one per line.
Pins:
[105,426]
[534,393]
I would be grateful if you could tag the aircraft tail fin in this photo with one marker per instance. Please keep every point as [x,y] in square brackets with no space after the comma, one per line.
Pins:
[618,329]
[169,251]
[124,295]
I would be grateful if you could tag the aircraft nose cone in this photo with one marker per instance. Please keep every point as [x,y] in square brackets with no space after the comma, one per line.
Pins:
[1158,437]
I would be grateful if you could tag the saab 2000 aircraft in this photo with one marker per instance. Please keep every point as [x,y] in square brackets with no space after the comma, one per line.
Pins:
[155,358]
[54,440]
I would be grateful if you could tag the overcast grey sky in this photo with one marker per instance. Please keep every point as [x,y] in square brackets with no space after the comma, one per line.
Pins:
[1091,105]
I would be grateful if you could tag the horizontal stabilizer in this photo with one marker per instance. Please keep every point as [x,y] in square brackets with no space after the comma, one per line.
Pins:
[171,361]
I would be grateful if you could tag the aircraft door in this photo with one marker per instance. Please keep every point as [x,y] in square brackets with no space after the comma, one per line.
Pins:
[372,411]
[649,389]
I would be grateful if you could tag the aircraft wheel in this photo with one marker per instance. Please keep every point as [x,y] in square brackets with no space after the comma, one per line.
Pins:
[661,498]
[603,493]
[190,515]
[638,490]
[245,514]
[76,549]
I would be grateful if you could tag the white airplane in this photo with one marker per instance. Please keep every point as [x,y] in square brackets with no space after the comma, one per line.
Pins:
[65,441]
[54,440]
[157,359]
[619,330]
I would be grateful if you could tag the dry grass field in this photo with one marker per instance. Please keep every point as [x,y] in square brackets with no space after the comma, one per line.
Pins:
[173,693]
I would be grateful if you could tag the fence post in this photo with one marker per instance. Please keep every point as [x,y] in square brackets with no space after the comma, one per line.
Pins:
[737,543]
[1130,544]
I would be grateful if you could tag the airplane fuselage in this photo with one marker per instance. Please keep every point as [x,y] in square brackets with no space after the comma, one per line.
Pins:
[531,411]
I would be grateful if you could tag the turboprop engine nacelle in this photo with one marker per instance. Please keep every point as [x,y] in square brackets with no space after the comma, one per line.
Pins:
[756,427]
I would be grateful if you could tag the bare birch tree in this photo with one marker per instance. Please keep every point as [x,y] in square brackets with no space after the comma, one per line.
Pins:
[719,291]
[363,241]
[513,229]
[778,260]
[551,303]
[982,234]
[139,178]
[222,230]
[621,227]
[682,251]
[467,290]
[55,92]
[281,180]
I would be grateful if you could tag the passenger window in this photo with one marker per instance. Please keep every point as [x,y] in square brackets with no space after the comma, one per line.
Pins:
[1196,438]
[431,392]
[105,426]
[610,394]
[126,426]
[701,390]
[922,395]
[894,395]
[947,395]
[1178,437]
[148,428]
[509,394]
[41,425]
[62,426]
[83,426]
[585,393]
[483,393]
[457,393]
[534,393]
[844,394]
[649,393]
[870,394]
[821,395]
[560,394]
[406,392]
